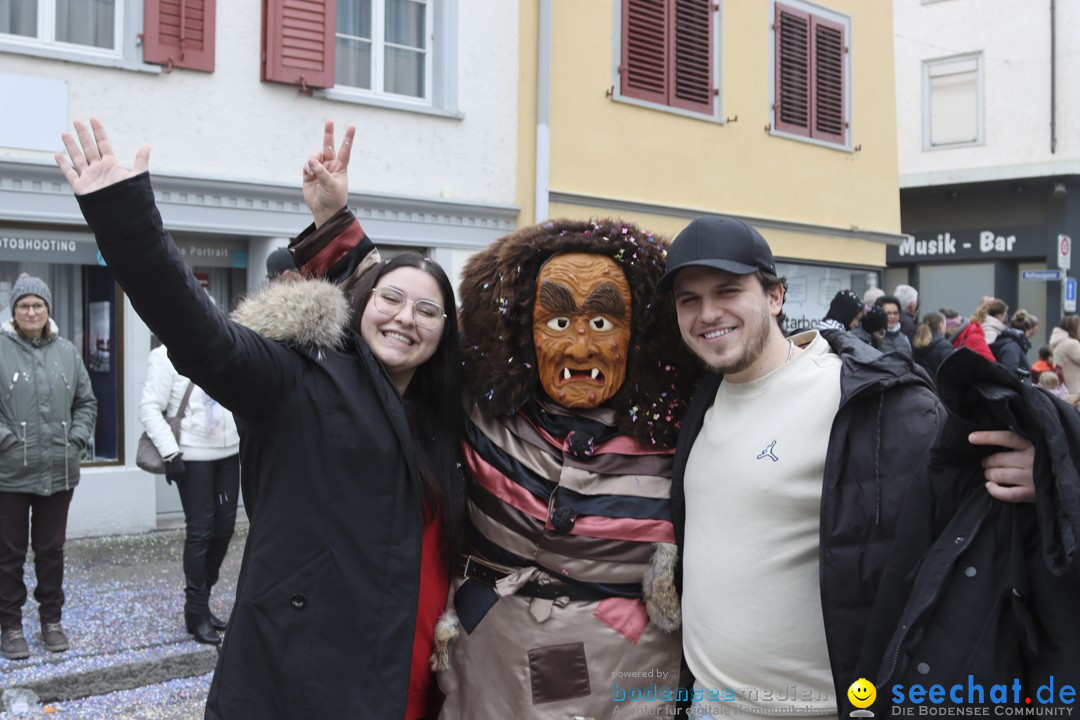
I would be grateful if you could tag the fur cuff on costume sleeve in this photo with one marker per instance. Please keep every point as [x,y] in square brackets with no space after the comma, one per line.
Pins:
[658,588]
[447,630]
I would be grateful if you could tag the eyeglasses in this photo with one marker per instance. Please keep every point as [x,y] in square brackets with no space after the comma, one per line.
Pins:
[27,308]
[426,314]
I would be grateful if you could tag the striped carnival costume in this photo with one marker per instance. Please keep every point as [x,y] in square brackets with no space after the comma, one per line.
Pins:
[565,605]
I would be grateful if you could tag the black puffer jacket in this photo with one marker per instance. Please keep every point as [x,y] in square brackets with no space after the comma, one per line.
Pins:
[888,415]
[931,356]
[325,610]
[980,587]
[1011,348]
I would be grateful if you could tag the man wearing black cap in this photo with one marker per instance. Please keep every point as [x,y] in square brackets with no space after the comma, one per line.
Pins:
[782,550]
[281,266]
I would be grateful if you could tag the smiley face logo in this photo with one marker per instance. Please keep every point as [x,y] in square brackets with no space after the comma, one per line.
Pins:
[862,693]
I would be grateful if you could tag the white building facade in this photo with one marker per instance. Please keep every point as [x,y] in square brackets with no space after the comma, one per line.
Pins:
[232,97]
[988,93]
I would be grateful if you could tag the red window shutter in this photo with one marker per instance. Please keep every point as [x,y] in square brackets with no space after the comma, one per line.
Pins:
[793,81]
[179,33]
[829,120]
[298,42]
[645,50]
[691,71]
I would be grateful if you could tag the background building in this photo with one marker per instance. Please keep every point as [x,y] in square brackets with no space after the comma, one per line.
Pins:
[231,97]
[781,113]
[778,112]
[989,158]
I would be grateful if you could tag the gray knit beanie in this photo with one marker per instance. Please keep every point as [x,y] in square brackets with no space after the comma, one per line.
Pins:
[30,285]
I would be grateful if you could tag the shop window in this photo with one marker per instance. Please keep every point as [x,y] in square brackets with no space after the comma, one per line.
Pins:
[86,310]
[811,289]
[952,102]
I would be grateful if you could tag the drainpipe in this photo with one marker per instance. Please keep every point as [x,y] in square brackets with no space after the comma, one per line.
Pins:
[543,107]
[1053,78]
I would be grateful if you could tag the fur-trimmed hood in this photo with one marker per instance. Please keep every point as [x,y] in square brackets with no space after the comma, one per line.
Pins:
[297,312]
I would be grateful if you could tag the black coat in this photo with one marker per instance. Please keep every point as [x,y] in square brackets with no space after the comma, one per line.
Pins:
[888,414]
[931,356]
[1011,348]
[981,587]
[325,611]
[908,325]
[939,580]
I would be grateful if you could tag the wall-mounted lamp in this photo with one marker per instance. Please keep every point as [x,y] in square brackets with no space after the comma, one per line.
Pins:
[1060,190]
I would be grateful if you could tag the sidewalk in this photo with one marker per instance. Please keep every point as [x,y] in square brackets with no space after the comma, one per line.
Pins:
[124,615]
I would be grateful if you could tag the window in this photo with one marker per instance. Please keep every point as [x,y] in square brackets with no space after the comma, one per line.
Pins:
[87,25]
[668,56]
[810,89]
[384,46]
[178,33]
[952,102]
[810,289]
[395,53]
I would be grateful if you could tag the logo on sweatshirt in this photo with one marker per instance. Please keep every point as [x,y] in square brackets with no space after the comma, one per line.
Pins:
[768,453]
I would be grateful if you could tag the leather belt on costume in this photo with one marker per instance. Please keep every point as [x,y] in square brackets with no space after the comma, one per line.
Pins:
[476,569]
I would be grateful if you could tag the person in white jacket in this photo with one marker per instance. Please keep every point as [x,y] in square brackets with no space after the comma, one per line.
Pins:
[1065,344]
[206,468]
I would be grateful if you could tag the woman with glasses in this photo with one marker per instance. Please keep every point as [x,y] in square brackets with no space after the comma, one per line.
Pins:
[47,413]
[348,405]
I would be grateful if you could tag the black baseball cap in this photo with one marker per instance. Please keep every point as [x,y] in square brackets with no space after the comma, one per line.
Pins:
[720,242]
[278,262]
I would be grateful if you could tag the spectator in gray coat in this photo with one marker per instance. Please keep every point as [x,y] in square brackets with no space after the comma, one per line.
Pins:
[47,413]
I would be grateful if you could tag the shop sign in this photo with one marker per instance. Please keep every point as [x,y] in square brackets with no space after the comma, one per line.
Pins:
[47,246]
[990,243]
[68,248]
[218,253]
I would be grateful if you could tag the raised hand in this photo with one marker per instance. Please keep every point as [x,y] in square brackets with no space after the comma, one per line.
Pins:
[1010,475]
[94,166]
[326,175]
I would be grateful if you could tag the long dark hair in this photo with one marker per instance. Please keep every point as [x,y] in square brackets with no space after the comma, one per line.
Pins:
[432,404]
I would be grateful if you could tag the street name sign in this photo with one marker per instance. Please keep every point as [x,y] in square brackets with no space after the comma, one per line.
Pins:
[1044,275]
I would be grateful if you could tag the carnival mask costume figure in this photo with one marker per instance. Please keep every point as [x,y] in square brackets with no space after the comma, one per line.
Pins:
[576,383]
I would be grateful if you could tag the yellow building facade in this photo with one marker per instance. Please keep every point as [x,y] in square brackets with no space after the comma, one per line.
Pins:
[592,145]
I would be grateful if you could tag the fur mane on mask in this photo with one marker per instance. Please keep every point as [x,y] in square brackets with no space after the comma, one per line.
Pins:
[498,289]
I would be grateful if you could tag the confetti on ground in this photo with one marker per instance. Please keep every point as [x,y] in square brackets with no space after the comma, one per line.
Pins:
[124,604]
